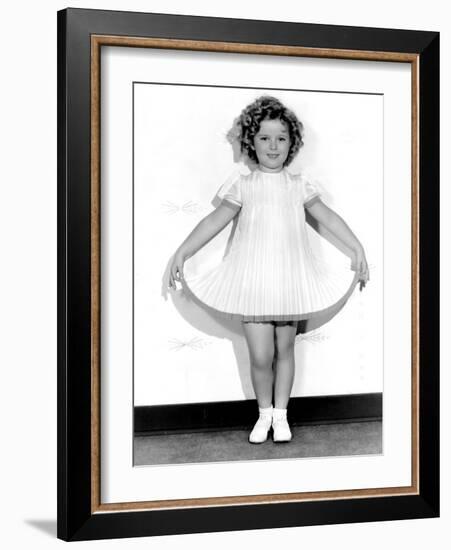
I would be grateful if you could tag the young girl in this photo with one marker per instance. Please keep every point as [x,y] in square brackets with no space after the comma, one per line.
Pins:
[270,280]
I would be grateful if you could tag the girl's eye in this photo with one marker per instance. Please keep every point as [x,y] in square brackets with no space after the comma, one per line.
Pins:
[265,138]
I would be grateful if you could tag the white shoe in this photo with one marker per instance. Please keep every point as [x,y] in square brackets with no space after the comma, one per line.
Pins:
[280,427]
[259,434]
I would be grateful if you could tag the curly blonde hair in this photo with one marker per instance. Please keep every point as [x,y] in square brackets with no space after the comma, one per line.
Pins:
[268,108]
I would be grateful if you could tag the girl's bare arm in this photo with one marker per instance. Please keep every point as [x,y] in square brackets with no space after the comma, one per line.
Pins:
[338,227]
[204,231]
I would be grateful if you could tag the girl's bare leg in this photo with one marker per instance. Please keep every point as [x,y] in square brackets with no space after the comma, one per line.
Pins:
[284,375]
[260,341]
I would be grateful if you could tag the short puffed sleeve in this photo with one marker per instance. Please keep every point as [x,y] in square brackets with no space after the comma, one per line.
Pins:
[230,190]
[311,192]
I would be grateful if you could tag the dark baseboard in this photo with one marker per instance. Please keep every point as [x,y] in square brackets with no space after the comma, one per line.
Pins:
[243,414]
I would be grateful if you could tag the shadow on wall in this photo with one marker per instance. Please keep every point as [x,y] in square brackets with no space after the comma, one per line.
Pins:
[213,325]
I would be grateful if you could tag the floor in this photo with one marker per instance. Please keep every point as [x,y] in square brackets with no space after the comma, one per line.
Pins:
[319,440]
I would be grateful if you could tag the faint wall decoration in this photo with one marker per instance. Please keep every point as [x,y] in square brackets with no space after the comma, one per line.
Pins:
[189,207]
[313,337]
[195,344]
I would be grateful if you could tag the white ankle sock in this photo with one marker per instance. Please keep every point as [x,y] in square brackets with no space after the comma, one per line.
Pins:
[266,411]
[279,413]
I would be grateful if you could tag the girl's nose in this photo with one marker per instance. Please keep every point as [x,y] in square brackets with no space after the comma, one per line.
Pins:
[273,144]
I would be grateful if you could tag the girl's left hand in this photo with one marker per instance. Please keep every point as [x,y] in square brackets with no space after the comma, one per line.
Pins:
[361,266]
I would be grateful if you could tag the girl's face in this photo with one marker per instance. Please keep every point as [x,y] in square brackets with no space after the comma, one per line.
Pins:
[272,145]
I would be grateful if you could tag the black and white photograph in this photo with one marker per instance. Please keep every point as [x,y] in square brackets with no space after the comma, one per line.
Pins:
[268,302]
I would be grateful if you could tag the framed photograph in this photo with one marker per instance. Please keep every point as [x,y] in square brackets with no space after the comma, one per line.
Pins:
[248,259]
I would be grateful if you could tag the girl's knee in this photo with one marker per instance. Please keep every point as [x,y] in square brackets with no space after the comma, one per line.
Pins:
[262,359]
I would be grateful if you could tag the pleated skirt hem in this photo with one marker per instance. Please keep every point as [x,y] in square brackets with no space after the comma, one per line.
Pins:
[306,321]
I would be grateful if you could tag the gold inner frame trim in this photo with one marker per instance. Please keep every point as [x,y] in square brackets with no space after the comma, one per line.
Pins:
[97,41]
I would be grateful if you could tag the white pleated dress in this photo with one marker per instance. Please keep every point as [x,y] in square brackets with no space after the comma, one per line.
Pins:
[270,272]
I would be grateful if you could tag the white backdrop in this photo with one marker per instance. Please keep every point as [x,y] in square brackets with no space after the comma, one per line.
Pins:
[28,321]
[181,158]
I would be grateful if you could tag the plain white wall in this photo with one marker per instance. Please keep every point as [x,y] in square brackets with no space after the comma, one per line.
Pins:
[28,275]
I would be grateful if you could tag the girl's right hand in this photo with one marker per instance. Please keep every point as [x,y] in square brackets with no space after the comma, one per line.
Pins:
[361,266]
[176,270]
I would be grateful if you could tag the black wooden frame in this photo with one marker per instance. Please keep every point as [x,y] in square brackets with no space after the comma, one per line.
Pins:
[76,521]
